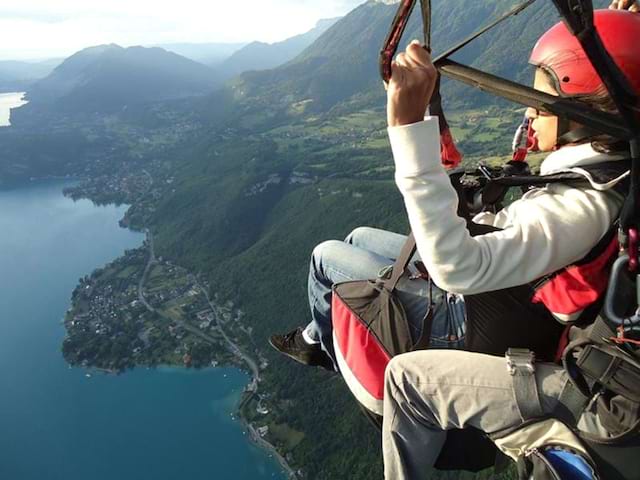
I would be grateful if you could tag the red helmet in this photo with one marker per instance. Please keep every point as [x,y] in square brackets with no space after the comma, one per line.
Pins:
[559,53]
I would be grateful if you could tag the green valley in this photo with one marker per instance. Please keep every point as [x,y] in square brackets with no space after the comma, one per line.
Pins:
[235,189]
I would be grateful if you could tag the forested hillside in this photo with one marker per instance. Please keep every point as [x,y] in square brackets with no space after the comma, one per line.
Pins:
[257,173]
[342,65]
[264,56]
[320,116]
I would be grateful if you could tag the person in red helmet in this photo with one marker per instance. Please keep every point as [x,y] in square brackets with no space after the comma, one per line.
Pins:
[551,229]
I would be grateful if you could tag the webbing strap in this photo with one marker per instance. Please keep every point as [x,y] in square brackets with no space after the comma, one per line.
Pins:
[511,13]
[393,37]
[576,393]
[571,403]
[600,331]
[611,368]
[425,8]
[538,180]
[408,249]
[576,135]
[520,364]
[399,268]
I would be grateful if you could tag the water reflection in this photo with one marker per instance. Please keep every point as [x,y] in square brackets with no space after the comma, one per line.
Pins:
[7,102]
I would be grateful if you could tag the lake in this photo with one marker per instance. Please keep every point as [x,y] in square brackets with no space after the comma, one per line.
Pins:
[7,102]
[57,423]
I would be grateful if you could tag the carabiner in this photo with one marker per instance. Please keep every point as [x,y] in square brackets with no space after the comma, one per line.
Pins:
[620,269]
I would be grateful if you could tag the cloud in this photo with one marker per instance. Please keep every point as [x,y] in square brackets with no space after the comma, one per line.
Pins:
[61,27]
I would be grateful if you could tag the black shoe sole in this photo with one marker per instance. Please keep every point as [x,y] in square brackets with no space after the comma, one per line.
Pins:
[326,363]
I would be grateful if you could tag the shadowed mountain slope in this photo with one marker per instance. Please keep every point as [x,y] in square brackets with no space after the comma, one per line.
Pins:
[342,64]
[263,56]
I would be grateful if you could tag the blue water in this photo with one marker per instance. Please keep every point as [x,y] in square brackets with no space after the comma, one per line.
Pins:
[55,423]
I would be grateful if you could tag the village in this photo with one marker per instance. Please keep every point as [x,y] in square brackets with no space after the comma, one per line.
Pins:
[140,310]
[117,321]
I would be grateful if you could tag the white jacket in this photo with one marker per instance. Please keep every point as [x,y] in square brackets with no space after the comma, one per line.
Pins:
[549,228]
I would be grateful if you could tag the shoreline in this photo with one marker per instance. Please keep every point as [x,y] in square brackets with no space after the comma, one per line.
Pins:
[252,390]
[240,361]
[10,101]
[269,447]
[37,181]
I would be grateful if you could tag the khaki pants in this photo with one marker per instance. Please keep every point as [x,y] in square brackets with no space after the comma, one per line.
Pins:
[430,391]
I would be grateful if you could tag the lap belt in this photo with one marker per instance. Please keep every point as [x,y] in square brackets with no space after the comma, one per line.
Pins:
[521,367]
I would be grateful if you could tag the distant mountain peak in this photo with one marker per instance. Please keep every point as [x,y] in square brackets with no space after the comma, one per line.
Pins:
[108,77]
[265,56]
[99,49]
[326,22]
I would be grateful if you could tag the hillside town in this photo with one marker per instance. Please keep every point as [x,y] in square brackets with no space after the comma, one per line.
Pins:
[140,312]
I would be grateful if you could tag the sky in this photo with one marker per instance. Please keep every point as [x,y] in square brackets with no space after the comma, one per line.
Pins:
[38,29]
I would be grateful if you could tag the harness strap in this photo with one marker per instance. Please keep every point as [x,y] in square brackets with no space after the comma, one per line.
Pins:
[520,364]
[425,9]
[574,136]
[511,13]
[576,393]
[610,367]
[408,249]
[571,403]
[600,331]
[591,362]
[399,268]
[563,128]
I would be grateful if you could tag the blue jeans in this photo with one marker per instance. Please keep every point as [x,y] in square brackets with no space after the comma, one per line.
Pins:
[364,254]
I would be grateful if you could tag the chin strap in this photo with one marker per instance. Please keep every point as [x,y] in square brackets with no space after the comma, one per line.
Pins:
[577,135]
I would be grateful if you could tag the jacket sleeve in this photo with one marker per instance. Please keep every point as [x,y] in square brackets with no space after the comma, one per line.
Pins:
[548,229]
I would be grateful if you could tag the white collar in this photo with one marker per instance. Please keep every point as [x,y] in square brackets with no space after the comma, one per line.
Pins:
[575,156]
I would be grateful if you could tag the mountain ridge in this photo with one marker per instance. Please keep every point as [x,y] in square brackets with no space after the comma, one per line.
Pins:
[110,77]
[207,53]
[19,75]
[264,56]
[251,246]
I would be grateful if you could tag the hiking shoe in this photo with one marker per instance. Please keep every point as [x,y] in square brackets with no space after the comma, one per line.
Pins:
[293,345]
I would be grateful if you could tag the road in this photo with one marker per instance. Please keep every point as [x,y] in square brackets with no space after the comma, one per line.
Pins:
[147,269]
[253,366]
[233,347]
[152,260]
